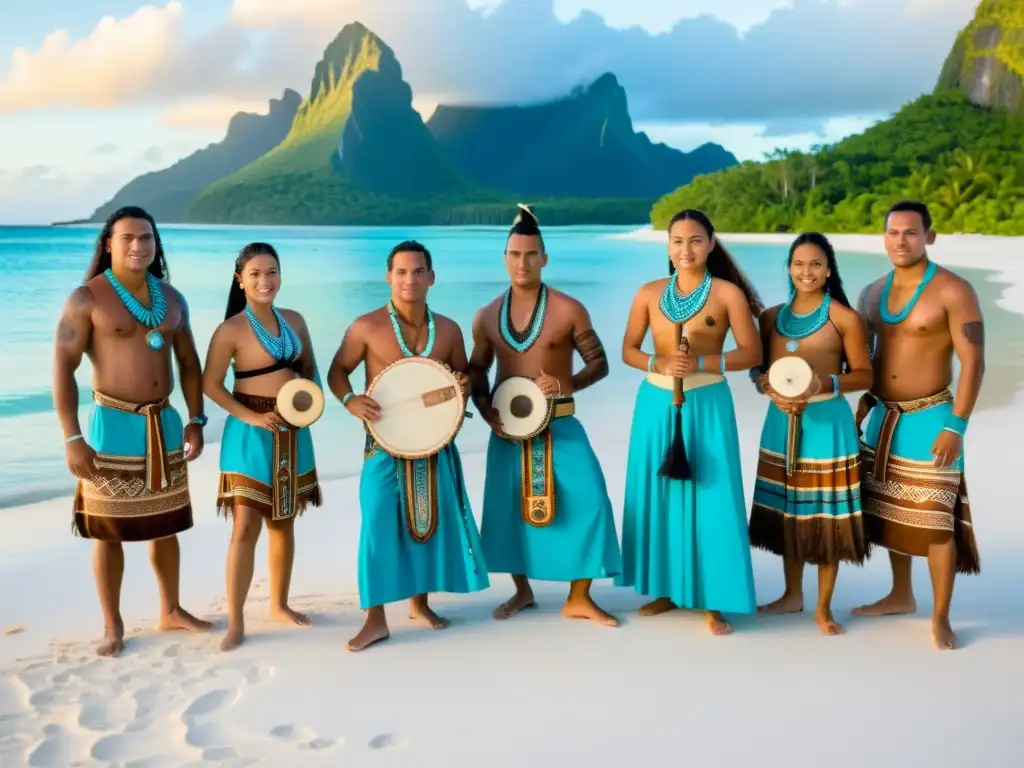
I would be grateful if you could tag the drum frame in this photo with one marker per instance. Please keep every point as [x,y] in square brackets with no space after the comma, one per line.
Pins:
[548,416]
[459,397]
[323,396]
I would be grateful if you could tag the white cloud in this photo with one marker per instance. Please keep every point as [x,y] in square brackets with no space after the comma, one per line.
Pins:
[41,194]
[116,63]
[815,59]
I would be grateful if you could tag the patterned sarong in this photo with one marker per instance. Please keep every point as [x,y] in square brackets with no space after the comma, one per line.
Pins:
[538,486]
[140,492]
[909,503]
[271,472]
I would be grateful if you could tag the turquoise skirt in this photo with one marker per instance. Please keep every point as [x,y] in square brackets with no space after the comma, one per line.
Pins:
[418,534]
[686,540]
[580,541]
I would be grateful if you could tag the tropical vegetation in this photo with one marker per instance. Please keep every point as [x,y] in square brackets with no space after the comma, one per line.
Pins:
[966,162]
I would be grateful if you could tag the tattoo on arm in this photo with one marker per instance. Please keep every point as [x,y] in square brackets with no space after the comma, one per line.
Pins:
[596,361]
[974,332]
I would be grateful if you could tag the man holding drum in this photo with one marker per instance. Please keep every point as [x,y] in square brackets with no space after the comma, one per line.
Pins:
[546,512]
[418,534]
[915,494]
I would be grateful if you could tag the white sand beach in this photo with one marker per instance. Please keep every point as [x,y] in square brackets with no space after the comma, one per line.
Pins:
[534,690]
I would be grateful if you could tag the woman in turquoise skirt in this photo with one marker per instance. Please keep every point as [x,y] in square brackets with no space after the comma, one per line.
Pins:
[684,539]
[807,500]
[269,347]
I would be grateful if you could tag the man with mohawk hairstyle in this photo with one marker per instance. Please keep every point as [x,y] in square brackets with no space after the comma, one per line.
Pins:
[546,512]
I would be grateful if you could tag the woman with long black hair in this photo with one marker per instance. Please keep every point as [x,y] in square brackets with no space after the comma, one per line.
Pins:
[684,539]
[269,347]
[807,504]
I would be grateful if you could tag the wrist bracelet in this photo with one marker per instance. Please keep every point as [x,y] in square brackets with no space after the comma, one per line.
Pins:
[199,421]
[956,424]
[73,438]
[835,385]
[650,364]
[346,397]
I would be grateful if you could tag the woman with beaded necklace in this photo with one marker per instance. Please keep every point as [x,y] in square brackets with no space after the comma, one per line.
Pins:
[269,347]
[807,504]
[684,541]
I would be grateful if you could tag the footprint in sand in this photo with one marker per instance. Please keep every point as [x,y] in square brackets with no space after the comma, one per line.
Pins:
[210,702]
[303,738]
[105,715]
[388,741]
[219,754]
[55,748]
[258,674]
[292,733]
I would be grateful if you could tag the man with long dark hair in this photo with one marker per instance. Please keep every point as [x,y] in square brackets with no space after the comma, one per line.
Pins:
[132,465]
[546,512]
[914,490]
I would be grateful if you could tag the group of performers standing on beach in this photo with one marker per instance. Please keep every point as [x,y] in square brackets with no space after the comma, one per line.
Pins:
[829,484]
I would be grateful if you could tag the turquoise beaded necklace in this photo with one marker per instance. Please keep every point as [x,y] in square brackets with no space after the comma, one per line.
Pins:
[151,317]
[679,307]
[401,339]
[889,317]
[285,346]
[795,326]
[521,341]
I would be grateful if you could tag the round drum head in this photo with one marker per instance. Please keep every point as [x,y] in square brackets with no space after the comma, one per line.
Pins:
[421,407]
[790,376]
[300,402]
[523,407]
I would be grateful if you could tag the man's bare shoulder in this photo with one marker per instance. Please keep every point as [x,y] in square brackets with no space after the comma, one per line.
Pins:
[369,321]
[567,303]
[954,287]
[445,324]
[81,299]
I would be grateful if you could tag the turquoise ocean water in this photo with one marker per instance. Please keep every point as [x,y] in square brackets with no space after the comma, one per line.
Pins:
[331,275]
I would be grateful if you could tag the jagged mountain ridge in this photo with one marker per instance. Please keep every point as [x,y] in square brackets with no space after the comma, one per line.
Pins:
[581,145]
[167,193]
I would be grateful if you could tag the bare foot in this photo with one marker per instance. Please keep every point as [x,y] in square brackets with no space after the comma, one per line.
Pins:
[827,624]
[655,607]
[717,624]
[943,635]
[785,604]
[586,608]
[112,643]
[234,638]
[518,602]
[890,605]
[179,618]
[374,631]
[287,615]
[426,614]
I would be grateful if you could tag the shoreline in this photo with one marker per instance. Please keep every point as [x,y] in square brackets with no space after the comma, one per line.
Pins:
[295,696]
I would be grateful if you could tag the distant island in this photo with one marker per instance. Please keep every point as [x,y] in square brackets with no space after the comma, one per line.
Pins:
[354,151]
[960,149]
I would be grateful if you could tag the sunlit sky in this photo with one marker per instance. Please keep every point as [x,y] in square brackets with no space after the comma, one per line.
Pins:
[93,93]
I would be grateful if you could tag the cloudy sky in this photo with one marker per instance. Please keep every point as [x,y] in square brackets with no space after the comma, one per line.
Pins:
[95,92]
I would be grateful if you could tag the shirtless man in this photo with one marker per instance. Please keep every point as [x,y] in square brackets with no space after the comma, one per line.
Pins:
[399,556]
[567,531]
[914,490]
[128,319]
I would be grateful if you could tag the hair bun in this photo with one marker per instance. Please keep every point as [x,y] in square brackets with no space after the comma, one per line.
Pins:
[525,214]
